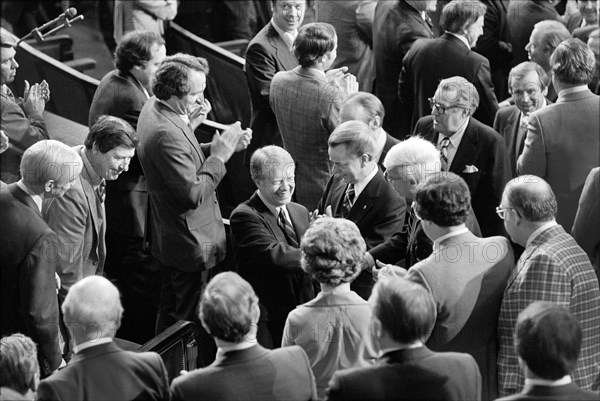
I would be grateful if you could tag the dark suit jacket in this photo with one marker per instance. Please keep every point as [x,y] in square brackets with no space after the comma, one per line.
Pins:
[378,212]
[410,374]
[353,23]
[251,374]
[27,286]
[564,161]
[430,61]
[506,124]
[584,232]
[121,95]
[106,372]
[546,393]
[265,259]
[267,54]
[522,15]
[188,232]
[466,276]
[395,28]
[390,141]
[485,149]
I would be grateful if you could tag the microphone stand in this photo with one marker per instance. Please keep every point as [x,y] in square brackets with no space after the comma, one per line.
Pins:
[40,37]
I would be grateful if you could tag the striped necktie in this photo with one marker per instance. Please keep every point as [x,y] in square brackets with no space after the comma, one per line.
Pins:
[348,200]
[287,229]
[444,153]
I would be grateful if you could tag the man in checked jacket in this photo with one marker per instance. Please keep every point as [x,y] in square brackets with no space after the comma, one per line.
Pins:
[552,268]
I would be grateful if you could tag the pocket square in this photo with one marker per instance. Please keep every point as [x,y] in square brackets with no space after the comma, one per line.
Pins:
[470,169]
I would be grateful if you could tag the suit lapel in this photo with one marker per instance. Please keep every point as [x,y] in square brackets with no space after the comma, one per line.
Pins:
[270,220]
[467,149]
[282,53]
[364,203]
[179,123]
[336,195]
[511,130]
[299,220]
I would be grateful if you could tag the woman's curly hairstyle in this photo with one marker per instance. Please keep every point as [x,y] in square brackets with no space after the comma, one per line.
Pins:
[332,251]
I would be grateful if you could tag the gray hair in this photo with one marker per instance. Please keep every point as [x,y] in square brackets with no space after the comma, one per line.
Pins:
[267,158]
[50,160]
[417,155]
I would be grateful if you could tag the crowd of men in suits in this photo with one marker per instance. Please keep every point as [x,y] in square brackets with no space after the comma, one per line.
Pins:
[474,257]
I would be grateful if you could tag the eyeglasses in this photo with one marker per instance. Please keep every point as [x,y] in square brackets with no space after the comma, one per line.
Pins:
[440,108]
[501,211]
[389,178]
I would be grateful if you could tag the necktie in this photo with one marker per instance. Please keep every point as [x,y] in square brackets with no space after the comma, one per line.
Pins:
[101,191]
[348,199]
[287,229]
[444,153]
[521,134]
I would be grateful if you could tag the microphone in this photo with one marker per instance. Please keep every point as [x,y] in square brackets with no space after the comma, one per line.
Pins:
[37,32]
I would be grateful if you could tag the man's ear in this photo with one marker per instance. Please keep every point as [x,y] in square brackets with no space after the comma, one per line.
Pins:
[48,185]
[364,159]
[375,123]
[545,91]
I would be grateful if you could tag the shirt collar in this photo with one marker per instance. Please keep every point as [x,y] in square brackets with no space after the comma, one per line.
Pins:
[549,383]
[92,343]
[574,89]
[461,38]
[142,86]
[361,185]
[320,72]
[437,242]
[400,348]
[272,208]
[94,177]
[537,232]
[457,136]
[288,37]
[37,198]
[235,347]
[184,117]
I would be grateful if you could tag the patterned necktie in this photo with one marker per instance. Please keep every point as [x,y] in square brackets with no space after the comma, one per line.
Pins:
[101,191]
[444,153]
[287,229]
[348,200]
[521,134]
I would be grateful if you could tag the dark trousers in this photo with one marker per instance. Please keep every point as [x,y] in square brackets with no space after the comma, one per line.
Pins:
[179,298]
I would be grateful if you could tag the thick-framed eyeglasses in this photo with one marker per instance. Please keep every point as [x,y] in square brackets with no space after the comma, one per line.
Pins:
[501,211]
[440,108]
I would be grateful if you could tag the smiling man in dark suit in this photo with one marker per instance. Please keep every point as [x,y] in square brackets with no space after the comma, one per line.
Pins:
[267,230]
[468,148]
[359,192]
[268,53]
[528,85]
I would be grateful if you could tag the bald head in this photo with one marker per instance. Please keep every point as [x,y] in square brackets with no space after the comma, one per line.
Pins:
[532,197]
[92,309]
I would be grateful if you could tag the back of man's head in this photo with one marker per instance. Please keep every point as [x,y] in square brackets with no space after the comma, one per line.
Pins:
[313,41]
[443,199]
[458,15]
[548,340]
[49,160]
[405,309]
[551,33]
[357,137]
[366,105]
[92,309]
[229,307]
[532,197]
[573,62]
[418,156]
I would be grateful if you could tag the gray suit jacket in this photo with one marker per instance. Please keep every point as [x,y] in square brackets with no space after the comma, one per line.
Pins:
[466,276]
[78,219]
[254,373]
[306,106]
[562,147]
[353,23]
[188,232]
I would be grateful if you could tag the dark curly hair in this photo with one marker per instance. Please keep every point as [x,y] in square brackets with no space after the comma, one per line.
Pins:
[110,132]
[444,199]
[332,251]
[173,75]
[135,49]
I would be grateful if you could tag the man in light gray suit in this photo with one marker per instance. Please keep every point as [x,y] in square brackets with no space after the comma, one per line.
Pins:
[562,139]
[465,274]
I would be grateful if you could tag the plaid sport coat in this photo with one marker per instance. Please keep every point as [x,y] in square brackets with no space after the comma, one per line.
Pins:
[552,268]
